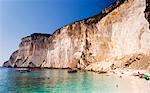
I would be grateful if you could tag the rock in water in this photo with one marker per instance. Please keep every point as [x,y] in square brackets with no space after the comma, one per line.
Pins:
[112,36]
[72,70]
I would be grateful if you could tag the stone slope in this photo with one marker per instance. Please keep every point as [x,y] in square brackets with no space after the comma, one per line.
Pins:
[97,43]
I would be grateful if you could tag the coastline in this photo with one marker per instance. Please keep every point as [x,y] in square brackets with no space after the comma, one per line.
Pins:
[140,84]
[122,80]
[130,82]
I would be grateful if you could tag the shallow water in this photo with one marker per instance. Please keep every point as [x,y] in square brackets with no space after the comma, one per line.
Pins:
[59,81]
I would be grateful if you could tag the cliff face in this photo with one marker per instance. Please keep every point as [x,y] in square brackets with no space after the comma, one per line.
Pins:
[32,51]
[107,40]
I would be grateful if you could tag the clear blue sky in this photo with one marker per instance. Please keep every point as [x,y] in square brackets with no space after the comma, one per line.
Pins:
[19,18]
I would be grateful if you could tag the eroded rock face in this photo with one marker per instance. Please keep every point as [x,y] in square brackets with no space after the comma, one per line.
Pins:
[32,51]
[118,31]
[12,60]
[147,10]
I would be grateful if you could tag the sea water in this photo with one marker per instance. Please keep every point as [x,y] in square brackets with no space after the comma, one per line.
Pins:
[60,81]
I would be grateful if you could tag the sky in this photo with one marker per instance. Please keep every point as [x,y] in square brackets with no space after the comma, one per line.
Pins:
[20,18]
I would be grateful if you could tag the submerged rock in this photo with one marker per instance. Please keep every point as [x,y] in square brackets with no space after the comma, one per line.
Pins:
[118,31]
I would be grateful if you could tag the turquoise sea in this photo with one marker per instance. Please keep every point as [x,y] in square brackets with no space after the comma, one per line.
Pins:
[58,81]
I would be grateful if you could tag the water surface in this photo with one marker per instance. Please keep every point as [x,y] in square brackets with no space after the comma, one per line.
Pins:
[59,81]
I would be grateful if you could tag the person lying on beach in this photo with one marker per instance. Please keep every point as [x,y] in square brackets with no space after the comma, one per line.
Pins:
[141,75]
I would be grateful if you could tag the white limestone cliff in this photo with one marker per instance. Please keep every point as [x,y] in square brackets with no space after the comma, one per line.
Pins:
[97,43]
